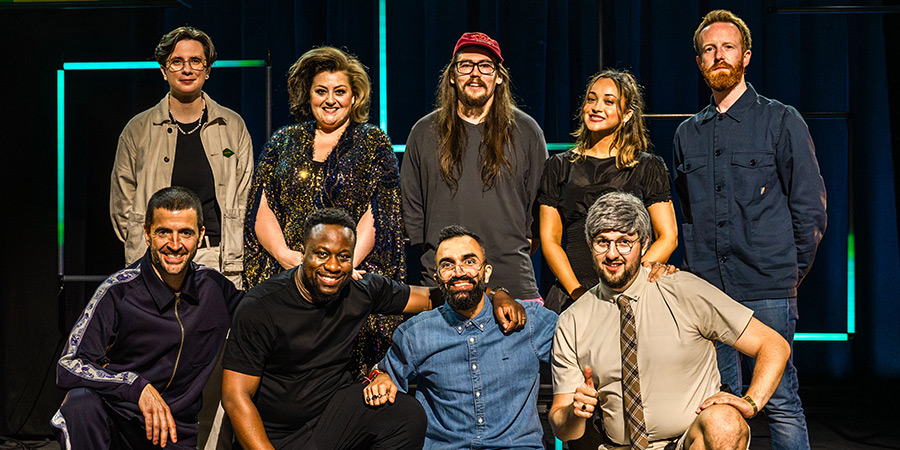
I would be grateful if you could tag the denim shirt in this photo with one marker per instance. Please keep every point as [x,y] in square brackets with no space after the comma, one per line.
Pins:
[478,386]
[752,197]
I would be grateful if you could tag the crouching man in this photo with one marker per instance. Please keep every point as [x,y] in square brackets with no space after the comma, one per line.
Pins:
[644,354]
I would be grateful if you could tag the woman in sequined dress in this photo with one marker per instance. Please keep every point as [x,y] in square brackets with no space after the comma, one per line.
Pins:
[612,152]
[330,158]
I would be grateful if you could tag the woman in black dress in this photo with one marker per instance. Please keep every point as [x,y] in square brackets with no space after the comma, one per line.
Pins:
[611,153]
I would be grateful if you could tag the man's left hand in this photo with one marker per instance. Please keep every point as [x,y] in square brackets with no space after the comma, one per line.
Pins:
[508,312]
[725,398]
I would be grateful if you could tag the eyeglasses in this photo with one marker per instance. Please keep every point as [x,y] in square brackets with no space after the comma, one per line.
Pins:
[469,267]
[177,64]
[623,246]
[466,67]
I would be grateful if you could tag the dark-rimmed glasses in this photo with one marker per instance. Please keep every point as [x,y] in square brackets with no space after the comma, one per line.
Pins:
[466,67]
[177,64]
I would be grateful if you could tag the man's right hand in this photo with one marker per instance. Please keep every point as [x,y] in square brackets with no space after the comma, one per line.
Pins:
[289,259]
[158,419]
[380,391]
[585,400]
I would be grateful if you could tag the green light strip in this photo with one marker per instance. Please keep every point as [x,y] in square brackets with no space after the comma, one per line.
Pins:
[60,160]
[559,146]
[826,337]
[382,64]
[131,65]
[851,283]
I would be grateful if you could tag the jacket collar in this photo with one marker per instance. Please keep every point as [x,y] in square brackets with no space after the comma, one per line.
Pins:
[160,114]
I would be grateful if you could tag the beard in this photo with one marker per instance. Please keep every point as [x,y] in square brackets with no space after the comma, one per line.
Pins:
[156,261]
[472,105]
[462,300]
[718,81]
[620,281]
[314,291]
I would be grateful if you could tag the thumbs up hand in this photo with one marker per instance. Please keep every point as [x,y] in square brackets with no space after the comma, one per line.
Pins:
[585,400]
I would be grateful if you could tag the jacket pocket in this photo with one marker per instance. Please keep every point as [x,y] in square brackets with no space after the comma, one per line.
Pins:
[233,240]
[693,169]
[754,174]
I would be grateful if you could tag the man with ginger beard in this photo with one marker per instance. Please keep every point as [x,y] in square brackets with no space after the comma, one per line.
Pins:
[753,203]
[476,159]
[478,385]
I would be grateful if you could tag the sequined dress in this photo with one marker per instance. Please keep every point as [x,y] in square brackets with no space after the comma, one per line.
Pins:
[360,171]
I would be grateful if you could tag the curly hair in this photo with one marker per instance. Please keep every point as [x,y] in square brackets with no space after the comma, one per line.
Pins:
[631,136]
[327,59]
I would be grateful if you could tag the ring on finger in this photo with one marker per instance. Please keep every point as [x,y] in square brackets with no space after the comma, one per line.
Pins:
[583,406]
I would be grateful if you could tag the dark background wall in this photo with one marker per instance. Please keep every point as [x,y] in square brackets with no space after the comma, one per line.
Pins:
[822,61]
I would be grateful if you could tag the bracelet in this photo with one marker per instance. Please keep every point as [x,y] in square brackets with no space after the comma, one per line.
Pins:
[375,372]
[495,290]
[753,404]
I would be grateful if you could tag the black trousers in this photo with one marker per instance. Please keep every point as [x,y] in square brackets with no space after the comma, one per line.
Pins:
[86,421]
[348,423]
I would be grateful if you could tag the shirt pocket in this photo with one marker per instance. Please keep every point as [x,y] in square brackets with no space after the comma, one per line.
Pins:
[754,174]
[693,169]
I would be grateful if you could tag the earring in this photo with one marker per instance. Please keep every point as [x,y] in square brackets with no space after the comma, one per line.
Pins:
[207,76]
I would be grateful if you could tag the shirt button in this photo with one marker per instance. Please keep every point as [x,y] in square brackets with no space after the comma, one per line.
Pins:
[471,339]
[723,259]
[170,131]
[480,420]
[718,188]
[721,117]
[720,223]
[718,153]
[477,393]
[459,328]
[474,366]
[752,162]
[166,159]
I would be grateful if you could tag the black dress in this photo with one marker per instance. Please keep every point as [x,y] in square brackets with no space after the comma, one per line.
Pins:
[572,186]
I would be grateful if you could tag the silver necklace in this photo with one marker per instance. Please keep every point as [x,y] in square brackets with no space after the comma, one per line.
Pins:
[199,121]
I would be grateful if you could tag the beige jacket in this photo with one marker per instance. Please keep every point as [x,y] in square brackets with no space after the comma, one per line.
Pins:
[143,165]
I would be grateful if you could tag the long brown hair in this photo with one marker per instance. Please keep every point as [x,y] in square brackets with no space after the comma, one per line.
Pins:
[631,136]
[497,129]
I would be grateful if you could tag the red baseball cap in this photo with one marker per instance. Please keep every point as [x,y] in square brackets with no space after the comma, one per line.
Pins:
[478,40]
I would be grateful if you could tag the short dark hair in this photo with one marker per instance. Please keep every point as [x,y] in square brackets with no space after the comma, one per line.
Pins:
[452,231]
[328,216]
[174,198]
[723,15]
[167,44]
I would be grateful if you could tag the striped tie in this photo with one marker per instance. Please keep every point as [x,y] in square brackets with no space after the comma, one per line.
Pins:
[631,383]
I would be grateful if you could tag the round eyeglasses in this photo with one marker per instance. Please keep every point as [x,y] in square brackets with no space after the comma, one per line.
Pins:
[466,67]
[469,267]
[177,64]
[623,245]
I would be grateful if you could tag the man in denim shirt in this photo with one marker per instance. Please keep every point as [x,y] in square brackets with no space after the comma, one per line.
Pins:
[753,203]
[478,385]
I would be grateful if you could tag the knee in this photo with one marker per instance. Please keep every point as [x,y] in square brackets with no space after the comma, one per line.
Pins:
[81,403]
[411,412]
[723,427]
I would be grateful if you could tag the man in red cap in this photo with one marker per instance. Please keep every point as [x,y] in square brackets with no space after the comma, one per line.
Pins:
[476,160]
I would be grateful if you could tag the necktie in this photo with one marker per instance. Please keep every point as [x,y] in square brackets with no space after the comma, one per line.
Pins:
[631,385]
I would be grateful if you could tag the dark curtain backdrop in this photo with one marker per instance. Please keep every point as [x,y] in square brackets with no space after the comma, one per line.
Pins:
[816,62]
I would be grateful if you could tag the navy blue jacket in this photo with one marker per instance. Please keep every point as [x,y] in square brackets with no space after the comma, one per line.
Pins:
[752,197]
[135,331]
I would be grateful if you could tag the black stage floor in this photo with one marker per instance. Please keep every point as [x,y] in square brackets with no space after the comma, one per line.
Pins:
[861,416]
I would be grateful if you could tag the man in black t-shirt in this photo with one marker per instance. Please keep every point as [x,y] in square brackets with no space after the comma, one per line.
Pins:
[286,382]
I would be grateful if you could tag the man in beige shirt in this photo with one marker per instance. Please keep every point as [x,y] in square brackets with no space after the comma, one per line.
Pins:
[677,321]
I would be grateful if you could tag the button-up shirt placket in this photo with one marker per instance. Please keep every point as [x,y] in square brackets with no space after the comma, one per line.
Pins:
[472,332]
[720,164]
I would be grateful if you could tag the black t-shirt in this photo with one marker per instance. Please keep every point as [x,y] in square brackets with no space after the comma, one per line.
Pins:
[301,350]
[191,170]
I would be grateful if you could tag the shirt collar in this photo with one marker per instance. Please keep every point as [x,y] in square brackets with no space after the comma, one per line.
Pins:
[737,111]
[161,294]
[634,291]
[460,323]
